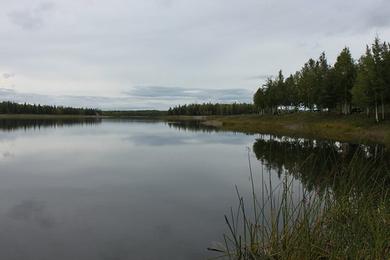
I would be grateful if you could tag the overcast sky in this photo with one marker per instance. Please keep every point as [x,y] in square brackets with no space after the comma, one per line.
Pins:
[143,54]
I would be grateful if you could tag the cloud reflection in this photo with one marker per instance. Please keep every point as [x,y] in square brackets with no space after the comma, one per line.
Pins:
[32,211]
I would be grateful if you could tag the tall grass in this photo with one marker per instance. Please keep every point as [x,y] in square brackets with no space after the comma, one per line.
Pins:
[349,219]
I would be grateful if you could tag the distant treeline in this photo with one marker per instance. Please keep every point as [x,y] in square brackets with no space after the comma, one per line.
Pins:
[363,85]
[213,109]
[15,108]
[135,113]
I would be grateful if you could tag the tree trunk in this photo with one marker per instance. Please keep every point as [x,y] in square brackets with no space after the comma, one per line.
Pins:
[346,108]
[368,111]
[376,111]
[383,108]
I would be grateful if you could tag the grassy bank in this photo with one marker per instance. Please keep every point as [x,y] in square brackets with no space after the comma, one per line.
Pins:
[353,128]
[349,219]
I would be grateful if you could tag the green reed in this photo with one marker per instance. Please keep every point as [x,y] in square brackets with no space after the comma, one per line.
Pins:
[348,219]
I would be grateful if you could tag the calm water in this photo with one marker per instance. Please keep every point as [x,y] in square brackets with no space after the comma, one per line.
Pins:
[122,189]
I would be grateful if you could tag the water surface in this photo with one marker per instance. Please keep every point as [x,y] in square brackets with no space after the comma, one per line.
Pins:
[133,189]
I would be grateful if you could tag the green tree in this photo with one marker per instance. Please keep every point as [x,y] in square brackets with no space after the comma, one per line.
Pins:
[259,100]
[344,79]
[363,92]
[324,87]
[291,91]
[379,79]
[307,80]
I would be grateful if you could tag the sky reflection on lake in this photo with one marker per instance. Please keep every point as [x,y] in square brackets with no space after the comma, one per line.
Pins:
[116,190]
[133,189]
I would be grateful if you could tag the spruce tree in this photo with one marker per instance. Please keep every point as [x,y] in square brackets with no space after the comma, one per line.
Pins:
[344,79]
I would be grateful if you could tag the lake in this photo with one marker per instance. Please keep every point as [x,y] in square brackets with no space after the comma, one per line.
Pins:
[138,189]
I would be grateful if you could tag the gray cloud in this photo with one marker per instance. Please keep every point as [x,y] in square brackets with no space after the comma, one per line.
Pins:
[259,77]
[196,94]
[25,19]
[8,154]
[165,3]
[8,75]
[379,15]
[32,18]
[82,51]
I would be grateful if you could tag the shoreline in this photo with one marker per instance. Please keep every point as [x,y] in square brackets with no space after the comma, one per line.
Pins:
[353,128]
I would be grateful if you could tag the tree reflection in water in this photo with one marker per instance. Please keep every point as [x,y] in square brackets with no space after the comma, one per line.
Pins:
[318,164]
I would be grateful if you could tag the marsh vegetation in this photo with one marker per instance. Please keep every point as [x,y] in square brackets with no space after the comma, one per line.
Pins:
[340,209]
